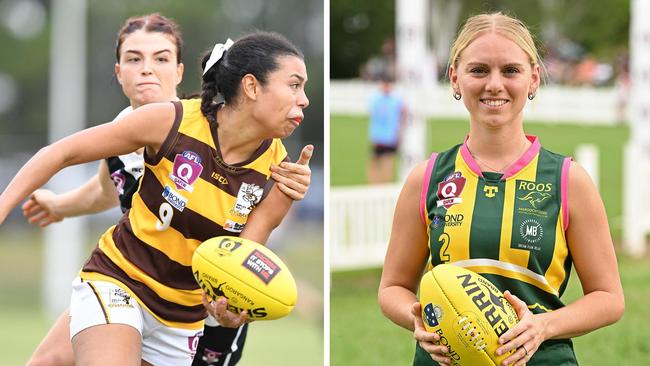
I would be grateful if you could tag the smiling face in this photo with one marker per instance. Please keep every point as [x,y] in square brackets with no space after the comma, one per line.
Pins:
[148,70]
[494,76]
[279,102]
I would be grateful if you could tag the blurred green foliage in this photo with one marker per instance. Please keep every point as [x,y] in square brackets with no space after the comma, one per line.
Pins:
[203,23]
[600,27]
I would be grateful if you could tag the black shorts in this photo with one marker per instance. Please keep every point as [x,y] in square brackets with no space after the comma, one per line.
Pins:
[216,346]
[379,150]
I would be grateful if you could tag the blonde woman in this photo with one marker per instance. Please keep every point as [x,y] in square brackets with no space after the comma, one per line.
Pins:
[524,215]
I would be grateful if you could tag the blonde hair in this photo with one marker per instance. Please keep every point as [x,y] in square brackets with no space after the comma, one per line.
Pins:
[504,25]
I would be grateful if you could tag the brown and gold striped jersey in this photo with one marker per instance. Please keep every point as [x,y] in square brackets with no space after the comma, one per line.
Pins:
[187,194]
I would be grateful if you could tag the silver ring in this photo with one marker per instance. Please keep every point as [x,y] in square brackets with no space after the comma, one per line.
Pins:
[525,350]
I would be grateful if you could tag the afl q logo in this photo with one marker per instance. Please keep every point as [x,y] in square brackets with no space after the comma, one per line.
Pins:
[531,231]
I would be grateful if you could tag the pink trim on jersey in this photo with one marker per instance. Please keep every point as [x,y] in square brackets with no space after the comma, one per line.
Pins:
[425,187]
[525,159]
[469,160]
[564,191]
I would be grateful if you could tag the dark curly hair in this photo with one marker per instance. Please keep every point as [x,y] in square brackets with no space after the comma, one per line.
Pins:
[255,53]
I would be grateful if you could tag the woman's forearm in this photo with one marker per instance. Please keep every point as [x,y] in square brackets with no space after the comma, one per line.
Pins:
[590,312]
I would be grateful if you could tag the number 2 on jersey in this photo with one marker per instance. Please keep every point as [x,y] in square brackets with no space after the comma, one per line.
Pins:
[444,239]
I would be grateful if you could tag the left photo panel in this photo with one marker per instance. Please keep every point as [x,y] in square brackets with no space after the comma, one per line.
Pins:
[162,183]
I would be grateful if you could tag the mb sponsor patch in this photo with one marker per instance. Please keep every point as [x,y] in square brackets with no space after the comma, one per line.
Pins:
[262,266]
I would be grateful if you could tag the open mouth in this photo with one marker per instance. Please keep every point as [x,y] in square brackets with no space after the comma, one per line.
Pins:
[297,120]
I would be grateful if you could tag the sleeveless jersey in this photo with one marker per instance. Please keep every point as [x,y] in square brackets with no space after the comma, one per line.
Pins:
[508,227]
[187,195]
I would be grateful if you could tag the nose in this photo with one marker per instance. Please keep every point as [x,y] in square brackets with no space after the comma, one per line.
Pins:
[494,82]
[146,66]
[303,101]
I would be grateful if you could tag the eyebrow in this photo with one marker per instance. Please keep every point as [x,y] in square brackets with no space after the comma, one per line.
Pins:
[155,53]
[300,77]
[515,64]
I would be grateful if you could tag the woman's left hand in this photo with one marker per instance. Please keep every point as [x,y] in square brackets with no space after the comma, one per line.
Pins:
[293,179]
[525,337]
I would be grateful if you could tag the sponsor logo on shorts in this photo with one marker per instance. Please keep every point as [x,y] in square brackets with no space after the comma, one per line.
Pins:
[187,169]
[261,266]
[118,298]
[233,227]
[449,190]
[174,198]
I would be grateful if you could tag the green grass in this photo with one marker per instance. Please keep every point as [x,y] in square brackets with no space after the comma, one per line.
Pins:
[361,335]
[350,151]
[271,343]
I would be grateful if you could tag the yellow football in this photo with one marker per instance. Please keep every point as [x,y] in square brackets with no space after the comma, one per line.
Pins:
[468,312]
[249,275]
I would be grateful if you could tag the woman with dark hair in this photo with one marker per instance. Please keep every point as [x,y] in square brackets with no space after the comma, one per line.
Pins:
[135,300]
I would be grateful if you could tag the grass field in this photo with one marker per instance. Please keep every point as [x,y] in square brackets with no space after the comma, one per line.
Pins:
[23,324]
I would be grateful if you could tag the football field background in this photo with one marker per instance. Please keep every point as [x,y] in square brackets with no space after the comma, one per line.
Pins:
[272,343]
[361,335]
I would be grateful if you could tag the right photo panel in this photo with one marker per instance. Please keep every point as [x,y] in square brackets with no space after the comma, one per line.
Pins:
[488,162]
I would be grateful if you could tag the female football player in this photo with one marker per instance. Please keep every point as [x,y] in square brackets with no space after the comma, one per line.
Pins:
[527,214]
[201,157]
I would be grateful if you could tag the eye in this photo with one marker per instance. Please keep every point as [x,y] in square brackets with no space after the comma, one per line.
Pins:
[162,59]
[511,70]
[132,59]
[295,86]
[478,70]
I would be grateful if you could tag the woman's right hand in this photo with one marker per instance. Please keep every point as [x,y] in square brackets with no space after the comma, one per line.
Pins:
[428,341]
[40,208]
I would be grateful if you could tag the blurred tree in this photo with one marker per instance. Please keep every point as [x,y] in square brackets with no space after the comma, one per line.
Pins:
[203,23]
[600,27]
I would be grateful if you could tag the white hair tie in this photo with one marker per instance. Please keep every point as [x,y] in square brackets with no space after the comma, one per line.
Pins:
[217,53]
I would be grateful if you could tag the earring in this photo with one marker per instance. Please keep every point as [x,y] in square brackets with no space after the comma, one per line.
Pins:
[457,95]
[531,96]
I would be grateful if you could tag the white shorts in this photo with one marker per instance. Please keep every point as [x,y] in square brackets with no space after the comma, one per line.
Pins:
[99,302]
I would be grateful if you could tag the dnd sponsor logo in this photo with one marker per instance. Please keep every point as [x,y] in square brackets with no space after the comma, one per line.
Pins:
[448,220]
[261,266]
[432,314]
[174,198]
[118,298]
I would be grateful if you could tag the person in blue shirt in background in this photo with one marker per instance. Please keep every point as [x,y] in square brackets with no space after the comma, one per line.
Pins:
[387,113]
